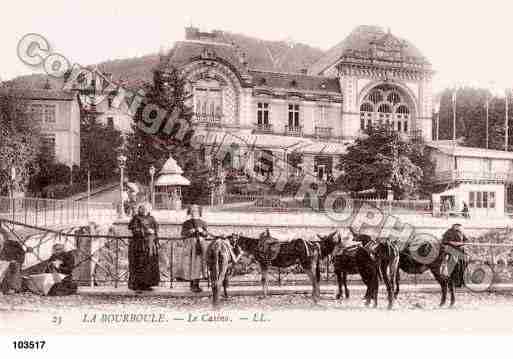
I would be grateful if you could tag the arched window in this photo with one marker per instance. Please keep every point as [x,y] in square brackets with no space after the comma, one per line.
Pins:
[366,110]
[387,104]
[375,96]
[394,98]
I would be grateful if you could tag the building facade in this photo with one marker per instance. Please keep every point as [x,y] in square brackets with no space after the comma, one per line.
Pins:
[58,114]
[475,176]
[370,77]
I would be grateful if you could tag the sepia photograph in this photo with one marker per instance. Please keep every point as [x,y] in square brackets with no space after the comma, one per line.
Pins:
[246,167]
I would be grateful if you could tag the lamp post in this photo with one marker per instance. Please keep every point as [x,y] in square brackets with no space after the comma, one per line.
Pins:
[436,108]
[454,96]
[13,179]
[122,164]
[152,185]
[506,120]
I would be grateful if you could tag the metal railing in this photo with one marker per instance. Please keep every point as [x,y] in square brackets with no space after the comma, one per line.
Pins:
[478,176]
[324,132]
[103,258]
[50,212]
[264,127]
[259,202]
[207,119]
[293,130]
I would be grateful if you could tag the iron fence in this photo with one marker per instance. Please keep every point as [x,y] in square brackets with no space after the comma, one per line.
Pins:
[274,203]
[104,259]
[50,212]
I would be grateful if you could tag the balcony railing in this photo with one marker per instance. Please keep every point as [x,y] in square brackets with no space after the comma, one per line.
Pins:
[293,130]
[264,127]
[324,132]
[473,176]
[207,119]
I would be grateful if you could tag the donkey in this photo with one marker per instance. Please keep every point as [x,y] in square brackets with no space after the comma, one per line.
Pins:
[415,259]
[220,255]
[386,254]
[269,252]
[354,260]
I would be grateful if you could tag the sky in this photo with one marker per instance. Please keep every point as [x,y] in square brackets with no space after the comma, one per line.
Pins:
[467,42]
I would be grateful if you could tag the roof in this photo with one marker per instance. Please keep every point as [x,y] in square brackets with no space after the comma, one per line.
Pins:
[40,94]
[462,151]
[171,175]
[299,82]
[171,167]
[278,56]
[186,51]
[362,39]
[172,180]
[268,141]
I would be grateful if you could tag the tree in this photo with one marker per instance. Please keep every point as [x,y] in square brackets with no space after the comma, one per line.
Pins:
[168,92]
[471,117]
[100,145]
[381,160]
[19,140]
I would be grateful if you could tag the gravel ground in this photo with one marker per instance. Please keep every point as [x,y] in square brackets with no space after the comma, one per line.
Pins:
[405,302]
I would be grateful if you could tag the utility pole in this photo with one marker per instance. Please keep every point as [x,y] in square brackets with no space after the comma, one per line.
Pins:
[506,122]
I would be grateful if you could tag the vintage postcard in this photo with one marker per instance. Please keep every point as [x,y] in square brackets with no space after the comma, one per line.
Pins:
[248,167]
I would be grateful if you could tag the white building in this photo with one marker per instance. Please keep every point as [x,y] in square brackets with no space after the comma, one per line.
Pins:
[371,76]
[476,176]
[58,114]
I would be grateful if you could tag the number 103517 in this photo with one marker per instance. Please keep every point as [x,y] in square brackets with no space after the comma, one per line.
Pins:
[29,344]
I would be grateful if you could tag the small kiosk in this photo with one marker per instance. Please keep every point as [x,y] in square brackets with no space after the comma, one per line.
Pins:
[169,186]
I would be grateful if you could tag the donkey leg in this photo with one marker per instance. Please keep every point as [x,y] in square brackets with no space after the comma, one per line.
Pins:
[443,284]
[339,284]
[313,279]
[451,290]
[397,279]
[344,278]
[225,286]
[265,281]
[388,284]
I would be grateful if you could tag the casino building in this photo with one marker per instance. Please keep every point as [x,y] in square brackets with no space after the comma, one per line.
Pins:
[313,112]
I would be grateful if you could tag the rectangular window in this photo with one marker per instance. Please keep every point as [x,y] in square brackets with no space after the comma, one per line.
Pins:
[362,122]
[49,113]
[405,126]
[37,112]
[485,199]
[48,145]
[479,198]
[263,113]
[110,122]
[491,199]
[293,115]
[471,199]
[398,126]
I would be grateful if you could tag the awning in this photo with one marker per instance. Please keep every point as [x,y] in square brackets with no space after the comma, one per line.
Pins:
[269,141]
[172,180]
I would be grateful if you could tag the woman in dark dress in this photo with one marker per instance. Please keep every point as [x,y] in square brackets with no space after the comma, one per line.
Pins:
[143,257]
[189,253]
